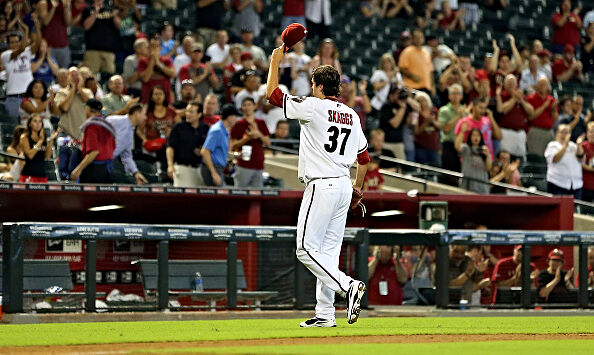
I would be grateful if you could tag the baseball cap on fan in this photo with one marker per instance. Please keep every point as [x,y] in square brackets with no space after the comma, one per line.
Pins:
[556,254]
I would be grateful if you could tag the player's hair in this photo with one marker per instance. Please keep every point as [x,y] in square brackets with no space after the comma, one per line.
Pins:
[329,77]
[135,108]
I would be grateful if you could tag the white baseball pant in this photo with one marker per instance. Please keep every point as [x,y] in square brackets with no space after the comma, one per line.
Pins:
[320,230]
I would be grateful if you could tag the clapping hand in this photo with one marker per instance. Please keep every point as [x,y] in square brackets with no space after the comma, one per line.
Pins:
[569,275]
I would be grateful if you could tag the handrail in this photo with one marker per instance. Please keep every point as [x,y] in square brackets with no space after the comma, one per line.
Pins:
[11,156]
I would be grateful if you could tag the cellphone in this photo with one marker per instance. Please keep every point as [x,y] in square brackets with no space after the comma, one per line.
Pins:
[205,58]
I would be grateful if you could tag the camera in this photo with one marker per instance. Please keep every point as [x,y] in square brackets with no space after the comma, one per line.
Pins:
[403,93]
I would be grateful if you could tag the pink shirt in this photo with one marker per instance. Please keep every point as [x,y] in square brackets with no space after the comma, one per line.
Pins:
[484,125]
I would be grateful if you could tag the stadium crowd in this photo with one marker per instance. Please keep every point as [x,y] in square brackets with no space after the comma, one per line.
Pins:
[180,102]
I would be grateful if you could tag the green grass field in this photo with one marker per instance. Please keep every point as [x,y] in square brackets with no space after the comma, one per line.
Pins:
[131,332]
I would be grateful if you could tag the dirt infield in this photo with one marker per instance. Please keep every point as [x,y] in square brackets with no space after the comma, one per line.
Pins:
[394,339]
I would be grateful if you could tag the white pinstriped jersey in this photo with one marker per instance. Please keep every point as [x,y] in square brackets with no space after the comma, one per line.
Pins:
[331,136]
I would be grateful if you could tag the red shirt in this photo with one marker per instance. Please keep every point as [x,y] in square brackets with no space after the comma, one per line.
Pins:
[373,179]
[55,31]
[156,125]
[569,33]
[76,12]
[429,138]
[545,120]
[158,78]
[211,119]
[294,8]
[504,270]
[100,139]
[446,21]
[184,72]
[238,131]
[516,118]
[387,273]
[588,176]
[559,67]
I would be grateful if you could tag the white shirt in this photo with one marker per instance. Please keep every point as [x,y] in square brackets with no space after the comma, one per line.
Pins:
[179,62]
[256,95]
[18,71]
[528,81]
[301,84]
[275,114]
[589,17]
[331,136]
[453,4]
[381,96]
[218,54]
[567,172]
[440,63]
[313,11]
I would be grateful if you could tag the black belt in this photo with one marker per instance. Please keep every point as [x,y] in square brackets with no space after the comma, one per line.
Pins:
[324,178]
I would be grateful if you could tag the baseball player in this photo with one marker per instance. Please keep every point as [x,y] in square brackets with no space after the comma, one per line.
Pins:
[331,140]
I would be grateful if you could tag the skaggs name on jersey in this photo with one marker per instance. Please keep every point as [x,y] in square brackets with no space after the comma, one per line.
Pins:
[340,117]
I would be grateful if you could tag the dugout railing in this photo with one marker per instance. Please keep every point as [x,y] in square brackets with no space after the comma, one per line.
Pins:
[14,235]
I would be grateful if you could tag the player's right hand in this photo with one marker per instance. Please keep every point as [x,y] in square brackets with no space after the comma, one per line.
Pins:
[278,53]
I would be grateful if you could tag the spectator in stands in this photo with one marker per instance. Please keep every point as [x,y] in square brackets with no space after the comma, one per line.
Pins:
[61,80]
[387,275]
[11,168]
[501,64]
[251,89]
[238,78]
[564,170]
[554,282]
[130,16]
[513,111]
[464,273]
[588,164]
[183,148]
[472,13]
[209,18]
[570,113]
[293,12]
[168,43]
[247,17]
[531,75]
[426,132]
[229,71]
[395,8]
[71,102]
[37,101]
[483,120]
[383,79]
[248,136]
[102,36]
[216,147]
[318,18]
[160,120]
[545,63]
[183,58]
[566,27]
[17,64]
[327,55]
[55,17]
[420,264]
[97,146]
[393,117]
[10,15]
[475,159]
[270,113]
[155,70]
[36,150]
[187,94]
[442,55]
[448,117]
[508,272]
[376,146]
[568,68]
[301,81]
[449,19]
[373,178]
[506,171]
[416,65]
[453,75]
[425,13]
[131,74]
[43,64]
[211,107]
[348,95]
[116,103]
[219,51]
[124,126]
[370,8]
[258,54]
[587,44]
[202,74]
[542,120]
[77,9]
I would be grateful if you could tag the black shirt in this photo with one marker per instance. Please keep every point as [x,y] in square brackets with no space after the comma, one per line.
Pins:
[103,35]
[211,16]
[184,139]
[36,166]
[587,58]
[560,290]
[393,135]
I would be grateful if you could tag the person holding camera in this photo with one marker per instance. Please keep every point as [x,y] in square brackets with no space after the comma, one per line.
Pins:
[394,115]
[387,275]
[476,159]
[200,71]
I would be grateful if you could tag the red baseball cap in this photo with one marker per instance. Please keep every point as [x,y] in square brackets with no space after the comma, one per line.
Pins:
[518,247]
[544,53]
[294,33]
[246,56]
[568,49]
[556,254]
[481,74]
[154,145]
